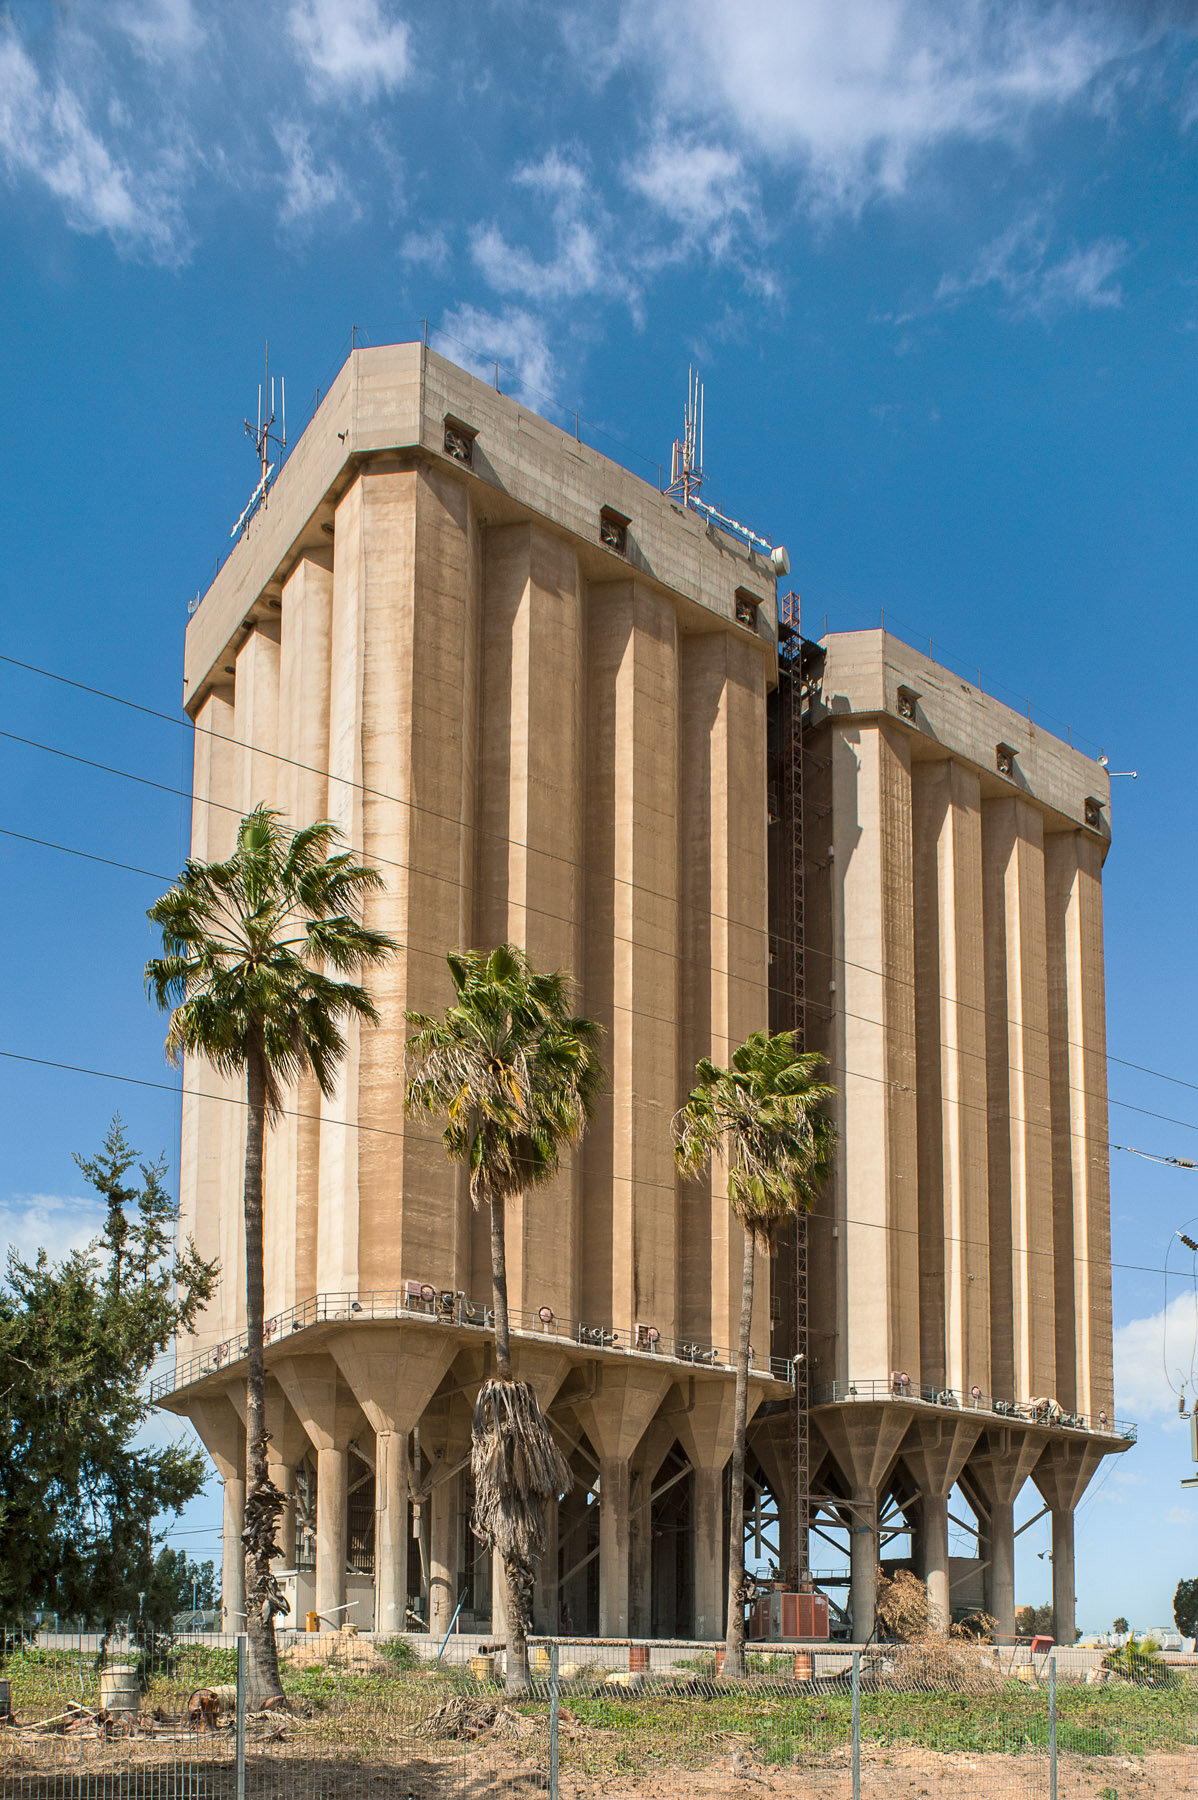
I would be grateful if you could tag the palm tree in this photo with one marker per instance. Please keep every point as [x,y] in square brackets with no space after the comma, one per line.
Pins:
[516,1079]
[764,1119]
[245,949]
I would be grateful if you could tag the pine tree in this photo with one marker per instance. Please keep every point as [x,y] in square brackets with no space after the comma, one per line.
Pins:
[79,1494]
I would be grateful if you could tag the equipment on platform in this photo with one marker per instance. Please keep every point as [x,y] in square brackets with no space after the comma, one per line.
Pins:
[783,1615]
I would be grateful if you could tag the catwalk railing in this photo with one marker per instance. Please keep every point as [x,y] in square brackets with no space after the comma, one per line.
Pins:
[1043,1411]
[420,1301]
[364,1717]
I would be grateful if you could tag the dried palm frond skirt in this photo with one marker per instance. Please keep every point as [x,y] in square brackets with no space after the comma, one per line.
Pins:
[516,1467]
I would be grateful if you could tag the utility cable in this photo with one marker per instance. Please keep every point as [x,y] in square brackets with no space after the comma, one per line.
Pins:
[547,854]
[457,882]
[641,1013]
[167,1087]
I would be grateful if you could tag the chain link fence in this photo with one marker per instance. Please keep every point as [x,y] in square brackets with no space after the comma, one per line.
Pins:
[163,1720]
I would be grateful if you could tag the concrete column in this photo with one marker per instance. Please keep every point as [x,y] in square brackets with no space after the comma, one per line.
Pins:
[232,1561]
[628,1275]
[393,1375]
[498,1597]
[284,1479]
[1064,1595]
[528,846]
[709,1535]
[871,1045]
[442,1566]
[546,1597]
[863,1563]
[390,1530]
[1000,1576]
[332,1484]
[613,1546]
[1019,1146]
[935,1560]
[222,1433]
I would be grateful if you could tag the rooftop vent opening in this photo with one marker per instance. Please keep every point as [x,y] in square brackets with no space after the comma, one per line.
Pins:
[613,530]
[459,440]
[746,608]
[1093,812]
[908,700]
[1004,757]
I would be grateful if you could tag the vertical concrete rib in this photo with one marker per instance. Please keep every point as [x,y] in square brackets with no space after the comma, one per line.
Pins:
[873,1051]
[1019,1141]
[530,841]
[1081,1183]
[255,782]
[632,954]
[303,793]
[951,1064]
[202,1194]
[724,944]
[419,604]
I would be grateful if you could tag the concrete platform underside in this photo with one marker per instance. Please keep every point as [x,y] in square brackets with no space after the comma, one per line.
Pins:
[370,1439]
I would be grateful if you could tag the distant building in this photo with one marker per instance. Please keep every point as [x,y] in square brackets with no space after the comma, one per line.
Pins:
[544,699]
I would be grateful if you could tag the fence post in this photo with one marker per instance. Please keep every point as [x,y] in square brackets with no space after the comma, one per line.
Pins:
[241,1685]
[1052,1725]
[553,1718]
[856,1725]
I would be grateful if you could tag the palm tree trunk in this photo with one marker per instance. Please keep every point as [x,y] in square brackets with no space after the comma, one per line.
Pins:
[262,1497]
[503,1330]
[517,1575]
[734,1642]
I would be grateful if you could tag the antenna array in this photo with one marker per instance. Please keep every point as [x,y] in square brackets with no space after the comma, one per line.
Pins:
[265,437]
[686,479]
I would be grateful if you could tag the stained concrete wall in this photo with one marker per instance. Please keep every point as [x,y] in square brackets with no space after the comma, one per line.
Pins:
[955,968]
[532,737]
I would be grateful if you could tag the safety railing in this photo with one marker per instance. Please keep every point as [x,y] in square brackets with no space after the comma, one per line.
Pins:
[1039,1411]
[420,1301]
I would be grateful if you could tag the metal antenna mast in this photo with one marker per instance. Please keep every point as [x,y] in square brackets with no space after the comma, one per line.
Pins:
[265,439]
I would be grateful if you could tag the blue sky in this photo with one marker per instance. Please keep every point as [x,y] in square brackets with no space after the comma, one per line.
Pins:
[937,262]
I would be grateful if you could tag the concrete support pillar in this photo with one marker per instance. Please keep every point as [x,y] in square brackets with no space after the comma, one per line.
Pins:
[935,1560]
[709,1552]
[390,1530]
[1064,1595]
[1000,1576]
[613,1546]
[498,1597]
[442,1567]
[332,1484]
[546,1600]
[232,1562]
[222,1433]
[283,1477]
[1062,1475]
[393,1376]
[863,1563]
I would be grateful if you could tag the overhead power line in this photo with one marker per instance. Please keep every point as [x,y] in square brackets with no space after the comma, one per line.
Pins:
[548,854]
[641,1013]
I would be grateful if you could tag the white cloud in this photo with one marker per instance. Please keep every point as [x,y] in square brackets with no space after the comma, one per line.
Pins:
[1144,1349]
[46,137]
[425,249]
[858,92]
[307,189]
[55,1223]
[584,259]
[698,186]
[515,339]
[160,30]
[353,48]
[1018,265]
[1182,1515]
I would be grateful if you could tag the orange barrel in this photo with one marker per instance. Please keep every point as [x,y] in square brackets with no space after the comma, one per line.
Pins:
[638,1659]
[804,1665]
[312,1622]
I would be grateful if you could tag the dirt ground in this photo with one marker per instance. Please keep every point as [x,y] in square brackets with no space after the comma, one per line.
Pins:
[197,1768]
